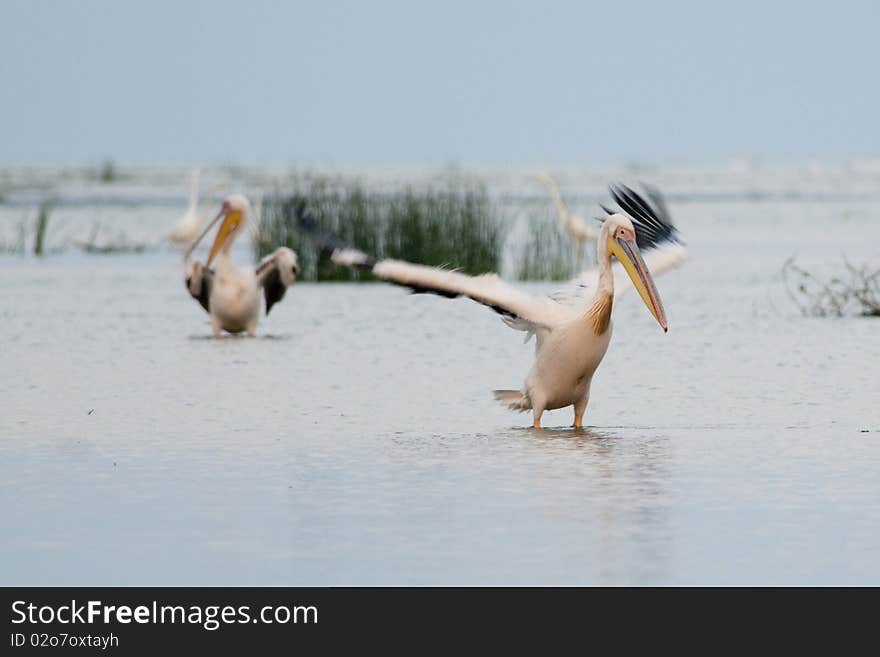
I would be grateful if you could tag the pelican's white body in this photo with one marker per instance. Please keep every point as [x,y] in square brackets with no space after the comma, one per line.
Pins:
[235,298]
[565,361]
[231,294]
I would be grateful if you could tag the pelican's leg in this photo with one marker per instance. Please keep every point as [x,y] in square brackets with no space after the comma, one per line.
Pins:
[215,326]
[536,418]
[579,408]
[537,411]
[251,328]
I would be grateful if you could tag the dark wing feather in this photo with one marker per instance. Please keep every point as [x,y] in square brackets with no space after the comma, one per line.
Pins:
[415,288]
[199,284]
[658,201]
[275,273]
[273,288]
[519,310]
[328,243]
[652,221]
[331,245]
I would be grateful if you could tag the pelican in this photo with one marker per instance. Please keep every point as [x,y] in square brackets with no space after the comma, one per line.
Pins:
[189,225]
[572,328]
[231,294]
[579,230]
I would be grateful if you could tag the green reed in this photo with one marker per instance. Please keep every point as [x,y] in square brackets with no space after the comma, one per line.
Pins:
[17,246]
[108,173]
[547,253]
[451,223]
[42,222]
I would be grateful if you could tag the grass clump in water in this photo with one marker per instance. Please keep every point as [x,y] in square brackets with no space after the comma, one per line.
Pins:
[18,245]
[547,254]
[451,224]
[858,291]
[42,222]
[108,173]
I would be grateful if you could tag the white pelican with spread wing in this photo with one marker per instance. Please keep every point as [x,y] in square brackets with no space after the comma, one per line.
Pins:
[572,328]
[578,229]
[231,294]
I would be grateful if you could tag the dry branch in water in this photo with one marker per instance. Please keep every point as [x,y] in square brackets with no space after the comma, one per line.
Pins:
[858,291]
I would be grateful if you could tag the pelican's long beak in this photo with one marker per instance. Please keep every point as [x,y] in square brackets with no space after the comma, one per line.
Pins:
[197,241]
[230,223]
[628,254]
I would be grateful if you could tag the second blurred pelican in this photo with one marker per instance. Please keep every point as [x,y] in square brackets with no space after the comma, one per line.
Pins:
[230,294]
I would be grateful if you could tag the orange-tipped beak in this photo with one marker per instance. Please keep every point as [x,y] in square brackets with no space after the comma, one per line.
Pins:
[197,241]
[628,254]
[227,229]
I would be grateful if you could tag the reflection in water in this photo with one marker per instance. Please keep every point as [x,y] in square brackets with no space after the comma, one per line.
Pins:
[240,336]
[626,492]
[574,434]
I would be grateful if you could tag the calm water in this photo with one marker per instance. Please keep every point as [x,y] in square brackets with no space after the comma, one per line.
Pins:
[356,441]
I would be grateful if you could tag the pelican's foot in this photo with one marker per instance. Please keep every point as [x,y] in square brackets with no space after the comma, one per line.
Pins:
[578,422]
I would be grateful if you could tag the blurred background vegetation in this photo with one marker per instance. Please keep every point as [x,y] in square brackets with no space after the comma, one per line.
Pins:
[449,223]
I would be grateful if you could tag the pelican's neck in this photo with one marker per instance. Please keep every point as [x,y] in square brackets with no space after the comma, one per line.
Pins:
[561,207]
[599,311]
[606,276]
[224,262]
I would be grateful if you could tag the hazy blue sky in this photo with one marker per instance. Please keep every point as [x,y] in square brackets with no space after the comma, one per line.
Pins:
[378,80]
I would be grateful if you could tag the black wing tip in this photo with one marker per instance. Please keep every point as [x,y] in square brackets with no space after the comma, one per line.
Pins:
[415,288]
[274,289]
[651,219]
[326,242]
[303,219]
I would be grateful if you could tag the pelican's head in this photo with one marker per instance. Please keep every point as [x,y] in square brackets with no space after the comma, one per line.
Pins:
[620,240]
[234,212]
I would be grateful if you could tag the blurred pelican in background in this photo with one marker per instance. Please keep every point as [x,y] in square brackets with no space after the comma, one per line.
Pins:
[578,229]
[231,294]
[190,224]
[572,328]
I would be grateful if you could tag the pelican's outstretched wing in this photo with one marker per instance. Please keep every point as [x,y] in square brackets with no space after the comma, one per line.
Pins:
[199,280]
[519,310]
[275,273]
[656,236]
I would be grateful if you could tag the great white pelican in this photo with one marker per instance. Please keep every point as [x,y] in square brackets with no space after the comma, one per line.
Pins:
[572,328]
[231,294]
